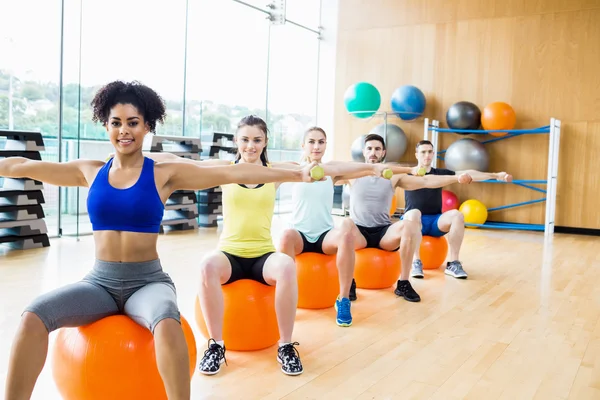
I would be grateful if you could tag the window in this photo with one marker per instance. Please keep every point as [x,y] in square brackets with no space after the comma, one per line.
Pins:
[213,61]
[226,65]
[304,12]
[29,81]
[292,100]
[148,46]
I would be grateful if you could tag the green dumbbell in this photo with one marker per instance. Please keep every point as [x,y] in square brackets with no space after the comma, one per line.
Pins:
[317,173]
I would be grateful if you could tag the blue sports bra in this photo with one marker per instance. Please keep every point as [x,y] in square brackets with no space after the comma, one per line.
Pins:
[135,209]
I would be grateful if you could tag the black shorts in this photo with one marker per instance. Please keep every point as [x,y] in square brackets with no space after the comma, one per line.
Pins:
[247,268]
[316,247]
[373,235]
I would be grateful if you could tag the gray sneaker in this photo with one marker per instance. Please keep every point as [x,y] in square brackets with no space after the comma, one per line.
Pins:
[417,269]
[455,269]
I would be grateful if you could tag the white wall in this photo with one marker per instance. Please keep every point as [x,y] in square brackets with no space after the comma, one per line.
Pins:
[327,56]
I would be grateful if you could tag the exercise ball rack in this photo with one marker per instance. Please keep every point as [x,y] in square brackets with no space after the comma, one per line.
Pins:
[553,131]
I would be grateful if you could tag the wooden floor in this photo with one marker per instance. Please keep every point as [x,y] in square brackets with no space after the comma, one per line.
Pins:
[524,325]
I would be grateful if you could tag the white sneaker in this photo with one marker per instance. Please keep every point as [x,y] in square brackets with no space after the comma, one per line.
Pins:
[455,269]
[417,269]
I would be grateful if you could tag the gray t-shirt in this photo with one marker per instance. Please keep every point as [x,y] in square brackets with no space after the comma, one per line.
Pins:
[370,201]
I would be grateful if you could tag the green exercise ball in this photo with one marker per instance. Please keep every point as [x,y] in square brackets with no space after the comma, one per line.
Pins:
[362,100]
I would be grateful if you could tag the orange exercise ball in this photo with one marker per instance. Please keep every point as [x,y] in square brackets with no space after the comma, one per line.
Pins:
[250,322]
[318,281]
[112,358]
[433,251]
[474,211]
[498,115]
[394,205]
[376,268]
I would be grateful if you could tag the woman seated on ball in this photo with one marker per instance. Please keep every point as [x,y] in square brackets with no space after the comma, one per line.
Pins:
[126,204]
[312,222]
[246,249]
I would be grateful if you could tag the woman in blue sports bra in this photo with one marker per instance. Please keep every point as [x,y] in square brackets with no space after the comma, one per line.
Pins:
[126,204]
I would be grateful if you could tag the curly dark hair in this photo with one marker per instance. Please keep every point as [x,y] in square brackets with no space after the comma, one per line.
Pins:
[146,100]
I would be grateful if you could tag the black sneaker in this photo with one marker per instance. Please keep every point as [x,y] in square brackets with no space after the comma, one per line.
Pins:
[352,295]
[289,358]
[405,289]
[213,358]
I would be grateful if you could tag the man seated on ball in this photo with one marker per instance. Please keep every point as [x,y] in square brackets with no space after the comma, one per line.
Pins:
[370,201]
[425,206]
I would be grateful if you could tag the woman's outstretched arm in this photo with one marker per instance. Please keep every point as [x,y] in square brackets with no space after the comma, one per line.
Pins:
[72,173]
[187,176]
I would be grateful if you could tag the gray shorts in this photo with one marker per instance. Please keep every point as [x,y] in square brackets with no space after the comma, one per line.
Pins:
[142,291]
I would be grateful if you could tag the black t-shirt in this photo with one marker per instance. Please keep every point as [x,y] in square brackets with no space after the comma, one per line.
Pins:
[428,201]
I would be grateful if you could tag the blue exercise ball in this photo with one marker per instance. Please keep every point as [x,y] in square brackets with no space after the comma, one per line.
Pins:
[408,102]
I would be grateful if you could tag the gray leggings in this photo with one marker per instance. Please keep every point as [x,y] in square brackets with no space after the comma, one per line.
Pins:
[141,291]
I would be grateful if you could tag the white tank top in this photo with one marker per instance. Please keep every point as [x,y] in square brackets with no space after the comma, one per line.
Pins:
[313,203]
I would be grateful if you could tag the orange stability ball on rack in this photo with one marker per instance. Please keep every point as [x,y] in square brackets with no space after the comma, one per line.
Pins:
[498,115]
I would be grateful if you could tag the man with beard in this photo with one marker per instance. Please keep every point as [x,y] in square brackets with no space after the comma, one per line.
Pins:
[370,201]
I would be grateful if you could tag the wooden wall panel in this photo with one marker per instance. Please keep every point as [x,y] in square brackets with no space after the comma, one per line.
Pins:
[476,61]
[541,57]
[367,14]
[579,187]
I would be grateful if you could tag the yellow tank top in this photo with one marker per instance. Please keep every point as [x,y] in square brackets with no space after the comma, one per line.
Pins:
[247,217]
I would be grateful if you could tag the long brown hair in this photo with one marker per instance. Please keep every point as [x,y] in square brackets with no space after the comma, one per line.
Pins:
[253,120]
[309,130]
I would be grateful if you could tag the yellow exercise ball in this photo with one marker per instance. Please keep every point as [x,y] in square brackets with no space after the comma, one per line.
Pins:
[475,212]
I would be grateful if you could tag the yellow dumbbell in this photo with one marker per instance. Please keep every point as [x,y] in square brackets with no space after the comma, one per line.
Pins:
[317,173]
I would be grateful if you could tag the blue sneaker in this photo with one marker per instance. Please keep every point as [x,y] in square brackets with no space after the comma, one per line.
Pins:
[344,317]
